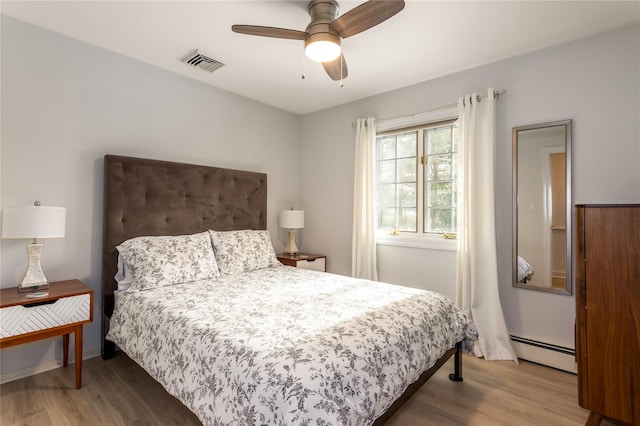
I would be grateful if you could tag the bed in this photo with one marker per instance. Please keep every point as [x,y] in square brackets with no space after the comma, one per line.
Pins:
[252,341]
[525,270]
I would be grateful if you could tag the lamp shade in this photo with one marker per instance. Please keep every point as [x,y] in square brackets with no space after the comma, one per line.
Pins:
[291,219]
[33,222]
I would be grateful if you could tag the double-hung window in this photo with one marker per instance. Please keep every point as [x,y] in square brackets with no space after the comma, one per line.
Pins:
[416,172]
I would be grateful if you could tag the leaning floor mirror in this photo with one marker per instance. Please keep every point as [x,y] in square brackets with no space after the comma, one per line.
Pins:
[542,207]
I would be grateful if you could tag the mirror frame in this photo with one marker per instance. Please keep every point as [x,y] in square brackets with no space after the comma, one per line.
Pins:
[569,207]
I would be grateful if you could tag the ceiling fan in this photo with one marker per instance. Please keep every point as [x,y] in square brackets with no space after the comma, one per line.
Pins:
[323,36]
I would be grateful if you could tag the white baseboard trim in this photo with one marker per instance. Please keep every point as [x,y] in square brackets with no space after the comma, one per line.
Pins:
[545,354]
[41,368]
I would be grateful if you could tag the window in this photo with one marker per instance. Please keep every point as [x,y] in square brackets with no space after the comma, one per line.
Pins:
[416,179]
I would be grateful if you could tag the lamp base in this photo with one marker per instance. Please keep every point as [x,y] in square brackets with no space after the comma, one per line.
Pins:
[291,247]
[28,289]
[33,278]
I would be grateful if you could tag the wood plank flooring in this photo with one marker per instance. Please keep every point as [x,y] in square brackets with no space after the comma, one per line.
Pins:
[119,392]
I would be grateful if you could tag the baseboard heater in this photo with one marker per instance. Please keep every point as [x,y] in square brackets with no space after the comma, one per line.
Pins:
[543,345]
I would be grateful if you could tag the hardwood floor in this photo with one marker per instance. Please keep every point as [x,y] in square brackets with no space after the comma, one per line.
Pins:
[118,392]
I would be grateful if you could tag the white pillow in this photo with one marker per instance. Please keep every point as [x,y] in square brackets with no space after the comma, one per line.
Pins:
[167,260]
[123,276]
[243,251]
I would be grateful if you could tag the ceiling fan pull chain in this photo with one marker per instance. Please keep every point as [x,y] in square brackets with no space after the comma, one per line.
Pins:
[341,74]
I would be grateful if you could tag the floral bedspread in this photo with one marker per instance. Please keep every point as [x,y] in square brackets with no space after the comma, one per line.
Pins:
[286,346]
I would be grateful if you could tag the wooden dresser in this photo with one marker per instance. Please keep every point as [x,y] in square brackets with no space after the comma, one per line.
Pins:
[608,311]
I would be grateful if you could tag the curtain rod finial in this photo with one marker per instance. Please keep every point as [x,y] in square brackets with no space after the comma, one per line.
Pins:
[499,92]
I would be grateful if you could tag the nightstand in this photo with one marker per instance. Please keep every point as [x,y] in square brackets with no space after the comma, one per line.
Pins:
[313,262]
[63,311]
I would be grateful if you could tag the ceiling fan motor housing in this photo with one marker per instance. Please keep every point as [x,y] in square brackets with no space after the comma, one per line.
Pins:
[322,13]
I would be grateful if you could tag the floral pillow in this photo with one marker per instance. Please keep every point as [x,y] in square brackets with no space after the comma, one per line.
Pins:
[167,260]
[243,251]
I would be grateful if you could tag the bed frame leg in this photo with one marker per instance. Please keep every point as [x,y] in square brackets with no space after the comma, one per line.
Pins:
[456,376]
[108,349]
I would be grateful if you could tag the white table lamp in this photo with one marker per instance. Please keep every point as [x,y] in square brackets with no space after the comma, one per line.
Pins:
[33,222]
[292,220]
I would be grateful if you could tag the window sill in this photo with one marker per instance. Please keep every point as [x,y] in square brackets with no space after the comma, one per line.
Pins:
[426,242]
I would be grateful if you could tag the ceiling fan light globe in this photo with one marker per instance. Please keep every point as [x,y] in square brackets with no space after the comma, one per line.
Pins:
[322,51]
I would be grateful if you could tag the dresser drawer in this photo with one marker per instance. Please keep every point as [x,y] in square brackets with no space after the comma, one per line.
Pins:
[42,315]
[318,264]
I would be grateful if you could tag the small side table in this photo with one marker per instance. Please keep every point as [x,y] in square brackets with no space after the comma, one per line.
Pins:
[315,262]
[63,311]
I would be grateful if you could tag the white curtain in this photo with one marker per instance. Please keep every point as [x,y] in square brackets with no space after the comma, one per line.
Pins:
[477,292]
[363,256]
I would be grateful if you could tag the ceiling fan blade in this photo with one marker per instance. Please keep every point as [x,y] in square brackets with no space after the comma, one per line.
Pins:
[366,16]
[337,69]
[269,32]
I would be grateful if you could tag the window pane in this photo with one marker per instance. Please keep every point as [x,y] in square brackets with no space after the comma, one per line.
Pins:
[407,170]
[439,220]
[407,220]
[454,194]
[454,139]
[387,195]
[454,218]
[439,140]
[439,167]
[387,171]
[407,145]
[386,147]
[407,195]
[387,219]
[439,194]
[454,166]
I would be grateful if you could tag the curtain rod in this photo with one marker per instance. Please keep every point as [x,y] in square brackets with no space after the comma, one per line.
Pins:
[496,94]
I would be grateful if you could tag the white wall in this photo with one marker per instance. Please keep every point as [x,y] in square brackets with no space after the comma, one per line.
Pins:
[66,104]
[594,81]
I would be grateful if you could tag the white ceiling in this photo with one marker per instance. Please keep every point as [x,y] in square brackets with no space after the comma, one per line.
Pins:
[426,40]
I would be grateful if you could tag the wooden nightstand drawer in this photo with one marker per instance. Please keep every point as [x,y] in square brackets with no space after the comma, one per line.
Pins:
[41,315]
[312,262]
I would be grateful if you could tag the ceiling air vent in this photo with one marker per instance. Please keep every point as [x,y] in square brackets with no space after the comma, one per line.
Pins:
[198,60]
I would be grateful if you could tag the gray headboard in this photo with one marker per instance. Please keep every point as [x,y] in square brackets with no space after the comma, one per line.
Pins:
[151,197]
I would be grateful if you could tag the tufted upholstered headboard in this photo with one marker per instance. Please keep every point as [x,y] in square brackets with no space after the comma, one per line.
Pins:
[151,197]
